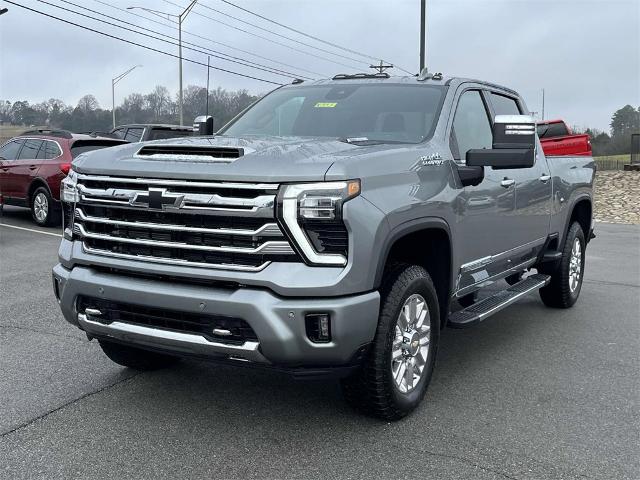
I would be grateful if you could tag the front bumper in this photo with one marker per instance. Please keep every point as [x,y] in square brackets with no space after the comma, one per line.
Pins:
[278,322]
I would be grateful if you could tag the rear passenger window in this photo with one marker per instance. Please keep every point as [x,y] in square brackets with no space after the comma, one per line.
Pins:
[9,151]
[504,105]
[471,124]
[52,150]
[30,150]
[133,135]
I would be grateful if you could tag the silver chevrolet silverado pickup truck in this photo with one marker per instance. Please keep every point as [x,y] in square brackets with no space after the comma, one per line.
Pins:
[333,228]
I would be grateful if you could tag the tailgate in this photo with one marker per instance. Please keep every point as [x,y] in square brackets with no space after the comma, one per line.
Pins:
[568,145]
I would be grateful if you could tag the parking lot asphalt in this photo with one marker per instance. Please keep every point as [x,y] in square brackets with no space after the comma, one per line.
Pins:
[531,393]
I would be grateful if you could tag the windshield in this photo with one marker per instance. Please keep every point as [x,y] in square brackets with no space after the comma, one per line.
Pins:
[359,112]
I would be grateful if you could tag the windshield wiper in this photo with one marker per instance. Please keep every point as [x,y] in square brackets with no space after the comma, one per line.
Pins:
[363,141]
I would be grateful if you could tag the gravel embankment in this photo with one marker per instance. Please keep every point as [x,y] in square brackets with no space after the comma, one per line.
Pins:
[618,197]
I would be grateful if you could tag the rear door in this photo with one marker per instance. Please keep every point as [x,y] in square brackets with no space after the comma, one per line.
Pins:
[26,166]
[8,154]
[486,211]
[533,190]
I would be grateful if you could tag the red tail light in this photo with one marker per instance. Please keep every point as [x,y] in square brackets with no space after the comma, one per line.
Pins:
[64,167]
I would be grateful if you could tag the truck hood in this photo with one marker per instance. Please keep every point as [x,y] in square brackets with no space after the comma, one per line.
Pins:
[265,159]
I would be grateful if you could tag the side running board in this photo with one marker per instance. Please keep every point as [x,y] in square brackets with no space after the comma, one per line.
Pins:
[485,308]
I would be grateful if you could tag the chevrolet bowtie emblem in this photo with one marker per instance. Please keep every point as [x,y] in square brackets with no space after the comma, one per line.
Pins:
[158,199]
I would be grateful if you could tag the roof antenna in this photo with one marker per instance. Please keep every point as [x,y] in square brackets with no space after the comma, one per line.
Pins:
[425,74]
[381,67]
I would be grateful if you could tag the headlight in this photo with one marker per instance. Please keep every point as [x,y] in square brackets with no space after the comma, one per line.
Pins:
[68,190]
[312,216]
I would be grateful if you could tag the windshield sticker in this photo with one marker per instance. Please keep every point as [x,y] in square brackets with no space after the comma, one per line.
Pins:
[325,105]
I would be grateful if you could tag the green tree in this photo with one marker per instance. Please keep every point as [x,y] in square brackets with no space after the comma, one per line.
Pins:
[625,121]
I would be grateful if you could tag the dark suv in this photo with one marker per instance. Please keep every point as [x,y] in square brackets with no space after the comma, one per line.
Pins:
[33,165]
[147,132]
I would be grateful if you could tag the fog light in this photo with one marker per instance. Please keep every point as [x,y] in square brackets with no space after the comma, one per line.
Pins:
[318,327]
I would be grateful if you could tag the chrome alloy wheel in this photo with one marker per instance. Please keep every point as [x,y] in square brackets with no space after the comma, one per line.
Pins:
[41,207]
[411,343]
[575,265]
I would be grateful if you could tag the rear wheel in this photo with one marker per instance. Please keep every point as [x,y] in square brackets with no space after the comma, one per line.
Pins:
[43,209]
[397,370]
[566,276]
[136,358]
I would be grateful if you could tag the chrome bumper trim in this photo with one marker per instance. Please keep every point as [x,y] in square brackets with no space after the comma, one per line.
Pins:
[175,341]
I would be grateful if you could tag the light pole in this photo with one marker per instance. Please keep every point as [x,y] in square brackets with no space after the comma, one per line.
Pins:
[423,26]
[113,90]
[178,19]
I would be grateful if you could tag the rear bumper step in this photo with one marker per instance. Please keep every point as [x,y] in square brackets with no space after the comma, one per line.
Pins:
[485,308]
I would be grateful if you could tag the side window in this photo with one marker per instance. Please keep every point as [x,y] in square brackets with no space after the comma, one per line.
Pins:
[504,105]
[9,151]
[52,150]
[133,135]
[119,132]
[471,124]
[30,149]
[42,152]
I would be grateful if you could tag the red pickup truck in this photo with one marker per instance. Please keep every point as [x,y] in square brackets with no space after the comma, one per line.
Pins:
[557,139]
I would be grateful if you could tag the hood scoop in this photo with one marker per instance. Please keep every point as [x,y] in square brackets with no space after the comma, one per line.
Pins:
[191,153]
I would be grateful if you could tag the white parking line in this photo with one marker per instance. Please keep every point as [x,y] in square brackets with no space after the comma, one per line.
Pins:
[30,230]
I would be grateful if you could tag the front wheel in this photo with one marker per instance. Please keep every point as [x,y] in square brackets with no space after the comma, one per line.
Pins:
[397,370]
[566,277]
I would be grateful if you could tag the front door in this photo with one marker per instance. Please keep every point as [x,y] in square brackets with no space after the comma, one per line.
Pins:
[25,167]
[8,154]
[486,211]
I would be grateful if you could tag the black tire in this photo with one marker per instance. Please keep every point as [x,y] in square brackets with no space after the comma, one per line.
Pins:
[44,210]
[372,388]
[559,294]
[514,278]
[136,358]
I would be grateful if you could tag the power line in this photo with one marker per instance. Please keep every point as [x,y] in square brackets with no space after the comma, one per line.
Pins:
[273,33]
[317,39]
[265,38]
[208,39]
[154,37]
[146,47]
[215,54]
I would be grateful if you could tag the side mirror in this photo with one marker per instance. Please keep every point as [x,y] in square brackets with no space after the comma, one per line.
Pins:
[203,125]
[514,144]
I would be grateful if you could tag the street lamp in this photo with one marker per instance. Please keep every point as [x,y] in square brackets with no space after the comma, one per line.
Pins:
[178,19]
[3,10]
[113,90]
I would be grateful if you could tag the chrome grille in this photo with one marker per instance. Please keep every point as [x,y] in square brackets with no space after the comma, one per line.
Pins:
[205,224]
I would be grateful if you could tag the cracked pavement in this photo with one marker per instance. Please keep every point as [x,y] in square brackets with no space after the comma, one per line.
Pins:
[531,393]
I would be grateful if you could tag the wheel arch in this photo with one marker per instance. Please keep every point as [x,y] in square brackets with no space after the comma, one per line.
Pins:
[581,212]
[35,183]
[412,242]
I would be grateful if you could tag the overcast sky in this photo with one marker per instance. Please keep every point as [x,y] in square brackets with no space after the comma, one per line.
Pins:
[584,53]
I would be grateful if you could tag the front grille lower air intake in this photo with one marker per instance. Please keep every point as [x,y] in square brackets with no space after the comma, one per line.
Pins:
[191,153]
[228,226]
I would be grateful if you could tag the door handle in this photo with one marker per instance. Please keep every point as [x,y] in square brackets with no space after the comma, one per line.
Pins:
[507,182]
[544,178]
[32,167]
